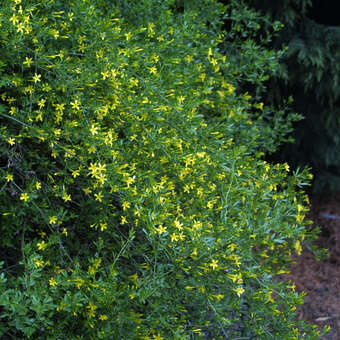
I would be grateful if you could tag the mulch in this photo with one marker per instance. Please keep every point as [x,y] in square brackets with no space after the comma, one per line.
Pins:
[321,279]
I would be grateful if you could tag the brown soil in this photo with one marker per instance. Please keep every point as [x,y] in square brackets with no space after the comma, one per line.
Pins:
[321,279]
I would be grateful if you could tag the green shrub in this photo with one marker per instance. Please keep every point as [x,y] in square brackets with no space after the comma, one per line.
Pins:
[248,44]
[134,202]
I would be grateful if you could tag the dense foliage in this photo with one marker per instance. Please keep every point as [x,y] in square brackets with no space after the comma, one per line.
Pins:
[310,72]
[134,201]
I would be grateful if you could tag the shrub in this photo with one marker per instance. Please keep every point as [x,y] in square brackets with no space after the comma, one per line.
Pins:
[134,200]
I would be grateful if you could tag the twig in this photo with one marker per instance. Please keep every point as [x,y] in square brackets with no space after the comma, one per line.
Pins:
[330,216]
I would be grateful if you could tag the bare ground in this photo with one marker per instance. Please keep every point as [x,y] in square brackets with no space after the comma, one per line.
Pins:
[321,279]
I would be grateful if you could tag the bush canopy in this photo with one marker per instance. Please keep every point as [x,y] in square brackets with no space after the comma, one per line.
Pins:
[134,200]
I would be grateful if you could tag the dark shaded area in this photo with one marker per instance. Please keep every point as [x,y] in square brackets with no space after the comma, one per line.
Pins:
[311,67]
[325,12]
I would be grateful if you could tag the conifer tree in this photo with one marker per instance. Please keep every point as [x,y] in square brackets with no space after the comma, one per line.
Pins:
[309,72]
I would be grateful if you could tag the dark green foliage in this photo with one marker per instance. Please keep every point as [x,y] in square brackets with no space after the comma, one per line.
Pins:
[310,73]
[248,45]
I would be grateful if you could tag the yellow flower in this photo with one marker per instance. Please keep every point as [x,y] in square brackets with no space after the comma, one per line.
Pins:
[218,297]
[38,185]
[189,58]
[126,205]
[214,264]
[236,278]
[129,181]
[42,234]
[128,35]
[239,291]
[94,129]
[75,173]
[92,309]
[11,141]
[91,149]
[39,116]
[60,107]
[14,19]
[300,218]
[93,170]
[99,196]
[76,104]
[41,245]
[52,282]
[53,220]
[232,246]
[20,27]
[87,191]
[41,103]
[37,78]
[103,226]
[197,225]
[297,247]
[92,270]
[38,262]
[13,110]
[103,317]
[153,70]
[161,229]
[181,236]
[9,177]
[66,197]
[158,337]
[178,225]
[270,297]
[174,237]
[24,197]
[78,282]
